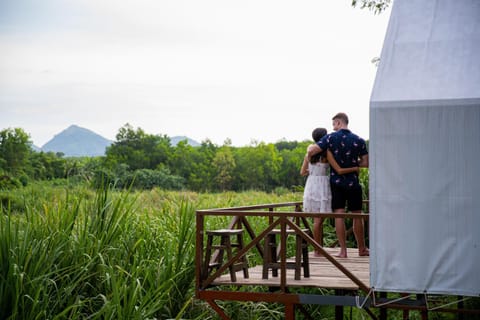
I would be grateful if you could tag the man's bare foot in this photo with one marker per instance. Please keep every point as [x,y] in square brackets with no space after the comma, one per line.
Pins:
[364,253]
[317,254]
[341,255]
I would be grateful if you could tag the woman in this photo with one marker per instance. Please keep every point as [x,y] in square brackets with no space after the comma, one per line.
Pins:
[317,196]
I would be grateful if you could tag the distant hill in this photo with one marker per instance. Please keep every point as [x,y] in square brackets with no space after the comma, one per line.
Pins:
[77,142]
[175,140]
[80,142]
[35,148]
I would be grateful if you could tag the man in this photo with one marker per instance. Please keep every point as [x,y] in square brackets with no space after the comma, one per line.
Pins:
[349,150]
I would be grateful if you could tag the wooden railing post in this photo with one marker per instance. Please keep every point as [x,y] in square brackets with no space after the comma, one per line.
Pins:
[200,273]
[283,255]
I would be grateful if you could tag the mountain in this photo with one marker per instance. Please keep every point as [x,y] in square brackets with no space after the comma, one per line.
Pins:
[77,142]
[35,148]
[80,142]
[175,140]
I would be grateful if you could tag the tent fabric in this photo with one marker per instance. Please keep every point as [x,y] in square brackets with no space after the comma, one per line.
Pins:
[424,151]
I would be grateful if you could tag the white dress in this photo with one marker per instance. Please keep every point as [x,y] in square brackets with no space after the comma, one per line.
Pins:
[317,196]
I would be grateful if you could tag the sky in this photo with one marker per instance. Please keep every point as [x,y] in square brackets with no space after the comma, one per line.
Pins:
[250,71]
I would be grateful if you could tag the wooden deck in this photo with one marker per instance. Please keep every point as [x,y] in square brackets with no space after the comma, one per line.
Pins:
[341,281]
[326,272]
[323,274]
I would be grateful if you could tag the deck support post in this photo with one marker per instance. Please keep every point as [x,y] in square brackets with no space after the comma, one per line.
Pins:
[460,305]
[424,312]
[339,309]
[289,311]
[406,312]
[383,311]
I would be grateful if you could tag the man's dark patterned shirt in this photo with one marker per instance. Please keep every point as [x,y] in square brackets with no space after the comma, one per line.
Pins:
[347,148]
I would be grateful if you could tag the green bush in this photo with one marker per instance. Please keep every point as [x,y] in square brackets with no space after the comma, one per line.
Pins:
[11,202]
[148,179]
[8,182]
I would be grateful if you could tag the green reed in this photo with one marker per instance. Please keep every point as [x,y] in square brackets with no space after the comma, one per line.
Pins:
[71,255]
[76,253]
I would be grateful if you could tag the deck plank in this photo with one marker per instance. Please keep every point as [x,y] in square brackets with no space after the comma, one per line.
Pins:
[323,274]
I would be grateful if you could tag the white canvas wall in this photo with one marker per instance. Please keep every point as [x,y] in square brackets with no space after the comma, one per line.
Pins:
[425,150]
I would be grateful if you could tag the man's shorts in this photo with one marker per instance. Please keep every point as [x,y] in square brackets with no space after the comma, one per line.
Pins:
[343,197]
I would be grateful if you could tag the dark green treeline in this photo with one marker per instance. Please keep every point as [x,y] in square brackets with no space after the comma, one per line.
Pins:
[141,160]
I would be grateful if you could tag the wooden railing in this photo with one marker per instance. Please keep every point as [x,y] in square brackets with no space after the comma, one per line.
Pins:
[277,216]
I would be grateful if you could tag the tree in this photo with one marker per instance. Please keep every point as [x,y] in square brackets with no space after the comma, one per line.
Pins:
[284,144]
[224,164]
[183,159]
[138,149]
[47,165]
[202,176]
[377,6]
[257,167]
[289,174]
[15,148]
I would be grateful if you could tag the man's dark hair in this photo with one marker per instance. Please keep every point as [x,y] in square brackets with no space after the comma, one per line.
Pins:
[341,116]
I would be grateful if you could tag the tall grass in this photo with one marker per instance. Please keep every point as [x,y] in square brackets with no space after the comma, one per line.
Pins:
[95,257]
[75,253]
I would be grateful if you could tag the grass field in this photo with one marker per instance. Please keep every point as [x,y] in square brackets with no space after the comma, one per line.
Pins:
[70,252]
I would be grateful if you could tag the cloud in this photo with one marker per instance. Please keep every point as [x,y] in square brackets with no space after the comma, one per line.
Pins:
[182,67]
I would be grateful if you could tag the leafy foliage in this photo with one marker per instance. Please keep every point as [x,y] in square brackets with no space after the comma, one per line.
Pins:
[257,167]
[76,254]
[377,6]
[14,150]
[144,161]
[138,149]
[224,164]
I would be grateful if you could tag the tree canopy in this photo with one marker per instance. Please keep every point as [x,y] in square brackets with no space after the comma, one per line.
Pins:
[377,6]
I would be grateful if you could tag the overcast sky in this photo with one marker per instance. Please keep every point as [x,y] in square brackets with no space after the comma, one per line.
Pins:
[261,70]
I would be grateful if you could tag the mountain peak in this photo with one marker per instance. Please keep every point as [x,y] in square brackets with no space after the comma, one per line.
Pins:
[175,140]
[73,127]
[76,141]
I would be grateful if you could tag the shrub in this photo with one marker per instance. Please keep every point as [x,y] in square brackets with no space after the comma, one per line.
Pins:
[7,182]
[148,179]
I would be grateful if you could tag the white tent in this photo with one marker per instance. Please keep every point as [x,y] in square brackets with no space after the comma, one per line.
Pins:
[425,150]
